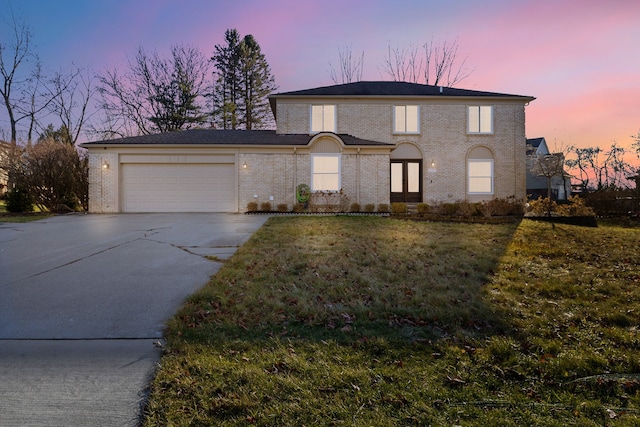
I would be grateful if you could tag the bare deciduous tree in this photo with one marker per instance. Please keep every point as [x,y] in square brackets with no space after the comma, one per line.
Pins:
[71,105]
[548,166]
[636,145]
[599,169]
[156,94]
[27,92]
[440,64]
[14,58]
[350,67]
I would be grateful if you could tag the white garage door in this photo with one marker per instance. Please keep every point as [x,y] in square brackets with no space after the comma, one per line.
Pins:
[178,187]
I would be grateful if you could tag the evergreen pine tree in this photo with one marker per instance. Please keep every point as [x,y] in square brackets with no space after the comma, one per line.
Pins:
[257,83]
[244,81]
[226,92]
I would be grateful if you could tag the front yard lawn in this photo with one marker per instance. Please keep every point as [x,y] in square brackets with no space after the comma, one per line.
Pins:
[20,217]
[382,322]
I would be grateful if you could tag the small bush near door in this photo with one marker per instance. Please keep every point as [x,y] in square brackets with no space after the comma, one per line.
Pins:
[399,208]
[252,207]
[369,207]
[355,207]
[422,208]
[282,207]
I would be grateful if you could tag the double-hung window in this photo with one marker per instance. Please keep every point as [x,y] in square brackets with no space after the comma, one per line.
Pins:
[480,119]
[325,172]
[406,119]
[480,176]
[323,118]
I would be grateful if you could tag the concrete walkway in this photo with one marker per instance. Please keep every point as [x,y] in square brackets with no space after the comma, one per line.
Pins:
[83,302]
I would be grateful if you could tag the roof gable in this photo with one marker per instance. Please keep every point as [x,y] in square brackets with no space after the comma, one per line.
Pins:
[537,146]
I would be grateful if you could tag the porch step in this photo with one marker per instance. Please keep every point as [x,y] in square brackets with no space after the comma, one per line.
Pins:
[412,207]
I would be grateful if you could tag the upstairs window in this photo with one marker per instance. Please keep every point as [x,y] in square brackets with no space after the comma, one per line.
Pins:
[323,118]
[325,172]
[406,119]
[480,119]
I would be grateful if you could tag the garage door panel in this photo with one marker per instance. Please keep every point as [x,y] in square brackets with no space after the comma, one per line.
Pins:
[178,188]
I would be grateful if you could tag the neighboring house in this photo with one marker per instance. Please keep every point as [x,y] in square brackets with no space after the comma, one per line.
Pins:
[537,186]
[376,142]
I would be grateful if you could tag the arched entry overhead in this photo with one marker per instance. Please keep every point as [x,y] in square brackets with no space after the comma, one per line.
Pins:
[406,174]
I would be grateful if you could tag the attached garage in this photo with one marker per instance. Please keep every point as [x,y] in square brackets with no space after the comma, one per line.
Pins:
[223,170]
[192,187]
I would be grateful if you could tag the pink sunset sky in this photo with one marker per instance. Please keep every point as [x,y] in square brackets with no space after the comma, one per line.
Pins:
[579,58]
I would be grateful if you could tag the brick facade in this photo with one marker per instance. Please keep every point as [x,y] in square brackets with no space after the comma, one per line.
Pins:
[443,140]
[269,166]
[273,177]
[103,182]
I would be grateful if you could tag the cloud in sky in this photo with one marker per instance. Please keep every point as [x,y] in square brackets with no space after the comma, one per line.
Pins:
[579,58]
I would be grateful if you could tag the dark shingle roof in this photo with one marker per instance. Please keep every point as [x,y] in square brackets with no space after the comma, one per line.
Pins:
[226,137]
[389,88]
[534,142]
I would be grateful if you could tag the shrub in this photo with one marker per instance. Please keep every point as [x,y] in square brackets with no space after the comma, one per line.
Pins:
[265,206]
[329,201]
[298,207]
[369,207]
[423,208]
[282,207]
[383,207]
[503,207]
[575,207]
[542,206]
[19,201]
[252,207]
[54,174]
[466,208]
[448,208]
[398,208]
[355,207]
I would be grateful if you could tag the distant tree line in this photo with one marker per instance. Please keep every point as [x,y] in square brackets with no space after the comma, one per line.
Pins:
[151,94]
[598,169]
[187,90]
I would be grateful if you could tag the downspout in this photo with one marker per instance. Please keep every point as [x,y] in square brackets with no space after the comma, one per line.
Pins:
[515,154]
[295,176]
[358,176]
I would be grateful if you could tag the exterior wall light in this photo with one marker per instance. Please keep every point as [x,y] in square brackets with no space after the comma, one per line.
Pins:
[105,164]
[244,165]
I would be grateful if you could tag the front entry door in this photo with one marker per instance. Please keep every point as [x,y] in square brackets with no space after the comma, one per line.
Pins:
[406,181]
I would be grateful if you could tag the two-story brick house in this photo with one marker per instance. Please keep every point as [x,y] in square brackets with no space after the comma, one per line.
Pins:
[377,142]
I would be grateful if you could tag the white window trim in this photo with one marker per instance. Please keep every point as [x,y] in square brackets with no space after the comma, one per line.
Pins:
[493,176]
[339,156]
[335,113]
[405,132]
[479,132]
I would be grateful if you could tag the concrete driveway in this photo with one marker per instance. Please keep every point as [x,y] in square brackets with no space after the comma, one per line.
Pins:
[83,299]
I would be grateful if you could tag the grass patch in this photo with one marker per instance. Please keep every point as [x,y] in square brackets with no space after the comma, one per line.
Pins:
[20,217]
[375,321]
